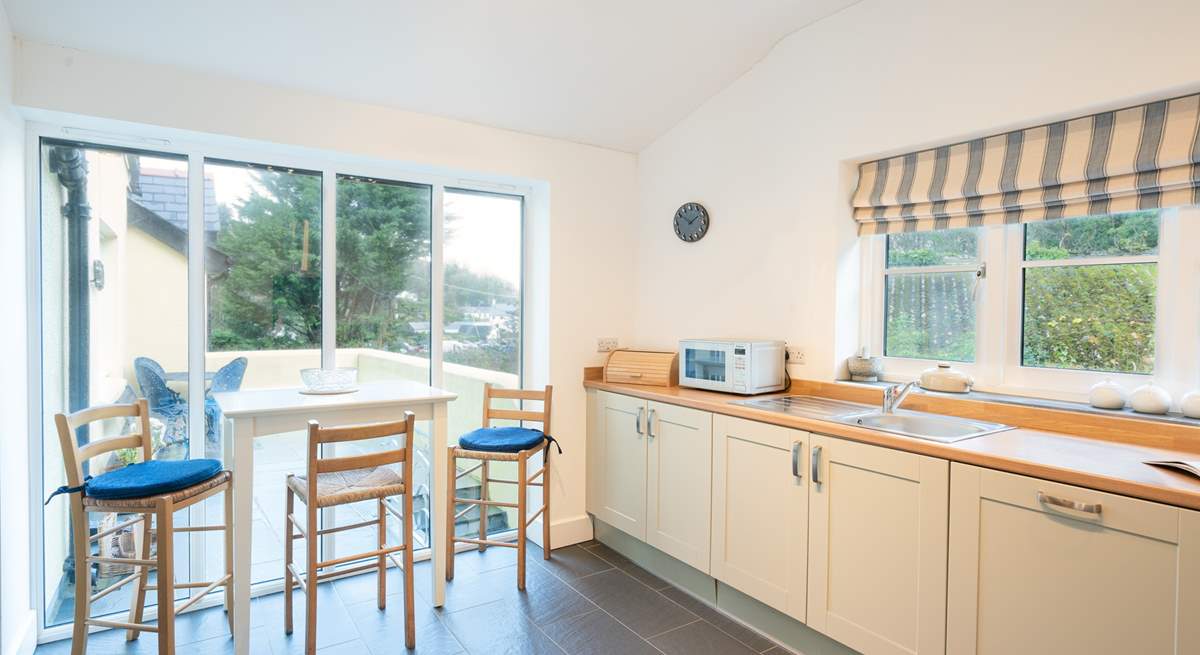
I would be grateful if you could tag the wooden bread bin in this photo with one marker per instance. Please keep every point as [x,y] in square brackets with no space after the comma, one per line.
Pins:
[642,367]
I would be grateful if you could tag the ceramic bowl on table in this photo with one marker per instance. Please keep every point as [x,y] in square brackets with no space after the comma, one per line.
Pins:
[321,381]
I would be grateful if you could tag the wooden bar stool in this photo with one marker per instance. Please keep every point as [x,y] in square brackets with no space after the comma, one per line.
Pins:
[503,444]
[152,489]
[351,479]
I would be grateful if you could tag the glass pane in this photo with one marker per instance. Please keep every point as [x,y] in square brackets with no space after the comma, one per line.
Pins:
[383,309]
[1135,233]
[114,328]
[262,228]
[482,334]
[1098,318]
[930,316]
[940,248]
[704,364]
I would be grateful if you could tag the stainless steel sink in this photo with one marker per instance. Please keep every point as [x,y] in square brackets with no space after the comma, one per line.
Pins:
[935,427]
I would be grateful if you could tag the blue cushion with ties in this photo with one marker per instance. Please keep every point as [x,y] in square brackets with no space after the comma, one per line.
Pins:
[151,478]
[501,440]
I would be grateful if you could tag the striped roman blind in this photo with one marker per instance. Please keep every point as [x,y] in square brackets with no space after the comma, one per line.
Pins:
[1142,157]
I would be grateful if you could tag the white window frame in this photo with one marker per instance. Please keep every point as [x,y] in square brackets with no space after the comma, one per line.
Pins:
[1000,306]
[197,148]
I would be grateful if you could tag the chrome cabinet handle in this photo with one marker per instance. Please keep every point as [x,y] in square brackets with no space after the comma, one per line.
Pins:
[637,422]
[796,446]
[816,465]
[1047,499]
[650,423]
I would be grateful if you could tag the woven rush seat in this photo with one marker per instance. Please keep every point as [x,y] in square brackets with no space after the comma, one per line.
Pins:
[148,502]
[351,486]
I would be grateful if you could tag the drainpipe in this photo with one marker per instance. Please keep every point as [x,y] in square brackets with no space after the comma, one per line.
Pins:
[70,165]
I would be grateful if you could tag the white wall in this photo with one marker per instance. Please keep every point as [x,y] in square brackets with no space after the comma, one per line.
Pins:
[769,155]
[16,615]
[590,191]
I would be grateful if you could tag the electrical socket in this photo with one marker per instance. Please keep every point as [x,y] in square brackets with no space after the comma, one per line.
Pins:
[795,355]
[606,344]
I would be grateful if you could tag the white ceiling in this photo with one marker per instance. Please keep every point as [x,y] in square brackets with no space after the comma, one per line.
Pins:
[614,73]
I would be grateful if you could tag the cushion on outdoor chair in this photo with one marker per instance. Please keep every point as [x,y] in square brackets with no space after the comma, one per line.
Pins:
[501,440]
[151,478]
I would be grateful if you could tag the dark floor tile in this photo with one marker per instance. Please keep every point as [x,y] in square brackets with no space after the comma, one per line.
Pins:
[382,631]
[640,608]
[224,645]
[700,638]
[470,591]
[358,588]
[718,619]
[470,562]
[356,647]
[570,562]
[625,564]
[547,599]
[608,554]
[596,633]
[334,625]
[498,628]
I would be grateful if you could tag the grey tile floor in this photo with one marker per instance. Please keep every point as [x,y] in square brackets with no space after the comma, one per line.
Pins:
[587,600]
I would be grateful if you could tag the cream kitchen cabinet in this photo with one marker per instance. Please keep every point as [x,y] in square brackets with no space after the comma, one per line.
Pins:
[1042,567]
[650,473]
[877,547]
[760,511]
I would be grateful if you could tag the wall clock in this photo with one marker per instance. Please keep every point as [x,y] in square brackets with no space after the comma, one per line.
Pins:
[691,221]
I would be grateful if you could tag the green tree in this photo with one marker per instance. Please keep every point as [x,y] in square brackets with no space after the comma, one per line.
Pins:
[270,296]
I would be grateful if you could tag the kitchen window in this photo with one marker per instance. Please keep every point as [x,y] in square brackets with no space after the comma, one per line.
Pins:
[1044,308]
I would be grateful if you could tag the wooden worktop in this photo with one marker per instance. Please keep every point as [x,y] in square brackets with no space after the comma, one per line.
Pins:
[1103,453]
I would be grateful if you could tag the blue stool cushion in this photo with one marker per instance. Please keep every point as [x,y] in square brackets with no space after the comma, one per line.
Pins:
[501,440]
[151,478]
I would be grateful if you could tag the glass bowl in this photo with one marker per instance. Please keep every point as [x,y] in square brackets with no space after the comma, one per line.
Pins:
[329,380]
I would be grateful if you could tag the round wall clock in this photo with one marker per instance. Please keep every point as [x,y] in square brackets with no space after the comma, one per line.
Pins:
[691,221]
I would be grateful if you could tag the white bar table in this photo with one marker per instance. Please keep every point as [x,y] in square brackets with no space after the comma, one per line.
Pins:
[259,412]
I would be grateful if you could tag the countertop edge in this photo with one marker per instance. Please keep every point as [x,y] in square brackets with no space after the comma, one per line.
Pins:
[1187,497]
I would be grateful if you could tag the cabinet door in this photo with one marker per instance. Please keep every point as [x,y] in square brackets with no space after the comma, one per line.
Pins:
[877,547]
[760,512]
[1029,575]
[622,450]
[679,482]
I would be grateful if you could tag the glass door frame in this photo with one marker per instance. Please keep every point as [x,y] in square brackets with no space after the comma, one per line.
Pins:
[197,148]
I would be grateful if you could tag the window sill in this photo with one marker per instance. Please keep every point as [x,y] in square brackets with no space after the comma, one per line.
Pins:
[1174,418]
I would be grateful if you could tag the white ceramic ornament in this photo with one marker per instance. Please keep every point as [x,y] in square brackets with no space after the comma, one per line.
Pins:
[1107,395]
[1150,399]
[1190,404]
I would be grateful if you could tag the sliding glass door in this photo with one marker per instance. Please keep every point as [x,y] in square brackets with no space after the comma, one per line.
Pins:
[296,267]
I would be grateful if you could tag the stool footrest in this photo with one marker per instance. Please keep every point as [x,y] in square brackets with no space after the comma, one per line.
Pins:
[225,579]
[485,542]
[535,515]
[123,625]
[489,503]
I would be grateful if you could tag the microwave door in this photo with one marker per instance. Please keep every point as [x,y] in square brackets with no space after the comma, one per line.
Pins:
[709,366]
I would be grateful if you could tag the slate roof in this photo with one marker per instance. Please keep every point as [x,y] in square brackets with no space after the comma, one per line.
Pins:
[164,192]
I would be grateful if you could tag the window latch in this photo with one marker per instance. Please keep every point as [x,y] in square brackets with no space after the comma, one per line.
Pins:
[980,275]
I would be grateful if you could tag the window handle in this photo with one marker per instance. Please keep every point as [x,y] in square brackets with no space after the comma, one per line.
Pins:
[980,276]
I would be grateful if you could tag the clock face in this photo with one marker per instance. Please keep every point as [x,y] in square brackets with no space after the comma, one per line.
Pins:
[691,221]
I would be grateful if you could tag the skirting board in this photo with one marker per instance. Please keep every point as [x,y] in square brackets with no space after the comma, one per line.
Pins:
[727,600]
[24,639]
[563,532]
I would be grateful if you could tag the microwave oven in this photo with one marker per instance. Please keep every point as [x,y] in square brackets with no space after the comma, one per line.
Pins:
[732,365]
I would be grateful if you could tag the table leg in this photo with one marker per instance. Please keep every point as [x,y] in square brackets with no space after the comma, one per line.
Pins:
[437,494]
[239,440]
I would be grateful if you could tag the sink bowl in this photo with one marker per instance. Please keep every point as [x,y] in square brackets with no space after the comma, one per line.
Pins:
[935,427]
